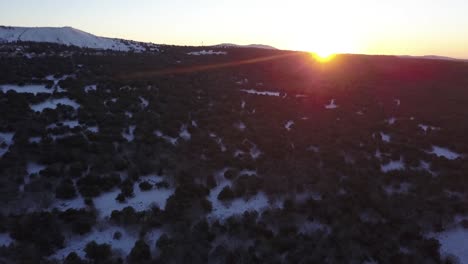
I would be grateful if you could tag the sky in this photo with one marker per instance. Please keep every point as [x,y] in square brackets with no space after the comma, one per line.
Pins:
[401,27]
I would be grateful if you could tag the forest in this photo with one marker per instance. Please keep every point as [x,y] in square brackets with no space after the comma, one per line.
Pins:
[229,155]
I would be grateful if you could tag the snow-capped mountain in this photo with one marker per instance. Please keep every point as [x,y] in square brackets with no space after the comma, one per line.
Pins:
[67,36]
[230,45]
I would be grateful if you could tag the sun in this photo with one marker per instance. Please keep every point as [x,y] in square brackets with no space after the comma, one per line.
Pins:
[323,56]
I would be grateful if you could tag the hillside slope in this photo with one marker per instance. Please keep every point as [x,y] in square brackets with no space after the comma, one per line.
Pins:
[66,36]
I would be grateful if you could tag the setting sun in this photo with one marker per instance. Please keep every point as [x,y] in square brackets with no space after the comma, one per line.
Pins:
[323,56]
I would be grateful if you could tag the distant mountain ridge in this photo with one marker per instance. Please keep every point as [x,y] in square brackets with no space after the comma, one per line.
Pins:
[67,36]
[432,57]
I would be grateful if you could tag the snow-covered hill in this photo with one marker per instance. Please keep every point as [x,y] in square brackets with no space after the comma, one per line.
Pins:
[66,36]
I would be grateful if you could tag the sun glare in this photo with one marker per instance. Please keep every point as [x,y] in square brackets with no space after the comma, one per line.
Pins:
[323,56]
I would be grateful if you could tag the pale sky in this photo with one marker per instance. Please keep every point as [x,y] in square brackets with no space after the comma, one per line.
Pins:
[405,27]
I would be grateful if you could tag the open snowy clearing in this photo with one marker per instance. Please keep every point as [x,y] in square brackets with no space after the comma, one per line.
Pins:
[106,202]
[77,244]
[223,210]
[453,242]
[444,152]
[53,103]
[30,88]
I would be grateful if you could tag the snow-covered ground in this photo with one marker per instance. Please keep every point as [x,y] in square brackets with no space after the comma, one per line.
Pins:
[89,88]
[94,129]
[241,126]
[106,202]
[142,200]
[255,152]
[223,210]
[66,36]
[207,52]
[144,102]
[453,242]
[6,138]
[101,235]
[169,139]
[385,137]
[444,152]
[184,133]
[269,93]
[53,103]
[393,165]
[5,239]
[30,88]
[391,120]
[289,124]
[129,134]
[331,105]
[68,123]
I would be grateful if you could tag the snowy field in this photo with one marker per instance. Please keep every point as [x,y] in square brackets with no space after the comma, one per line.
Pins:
[53,103]
[444,152]
[30,88]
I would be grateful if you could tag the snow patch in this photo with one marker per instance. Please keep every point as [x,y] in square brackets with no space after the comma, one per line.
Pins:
[453,242]
[142,200]
[393,165]
[241,126]
[184,133]
[5,240]
[169,139]
[94,129]
[6,140]
[391,120]
[385,137]
[129,134]
[102,235]
[53,103]
[30,88]
[89,88]
[144,102]
[252,91]
[331,105]
[444,152]
[223,210]
[289,124]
